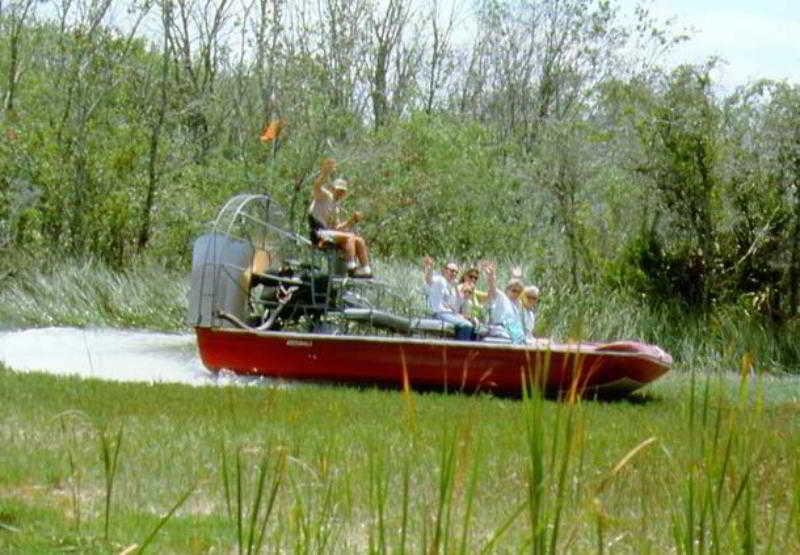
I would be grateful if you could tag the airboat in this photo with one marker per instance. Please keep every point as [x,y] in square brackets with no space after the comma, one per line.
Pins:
[265,301]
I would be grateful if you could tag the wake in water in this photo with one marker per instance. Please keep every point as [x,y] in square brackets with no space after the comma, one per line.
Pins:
[108,354]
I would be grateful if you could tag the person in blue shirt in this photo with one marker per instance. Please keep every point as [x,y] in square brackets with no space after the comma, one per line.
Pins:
[506,314]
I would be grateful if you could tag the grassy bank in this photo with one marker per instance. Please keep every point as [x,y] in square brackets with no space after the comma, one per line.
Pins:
[689,466]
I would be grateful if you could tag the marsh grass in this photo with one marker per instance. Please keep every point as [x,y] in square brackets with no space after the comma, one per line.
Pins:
[251,517]
[77,433]
[701,464]
[87,293]
[728,450]
[109,448]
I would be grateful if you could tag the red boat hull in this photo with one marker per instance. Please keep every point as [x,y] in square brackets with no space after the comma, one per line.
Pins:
[613,368]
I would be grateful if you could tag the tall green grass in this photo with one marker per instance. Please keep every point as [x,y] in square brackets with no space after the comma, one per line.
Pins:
[701,464]
[88,293]
[251,516]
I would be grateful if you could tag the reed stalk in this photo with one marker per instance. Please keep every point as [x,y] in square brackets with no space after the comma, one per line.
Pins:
[109,449]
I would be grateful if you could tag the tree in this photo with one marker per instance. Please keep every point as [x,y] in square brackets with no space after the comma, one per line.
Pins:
[779,141]
[536,60]
[679,129]
[155,133]
[440,51]
[563,165]
[14,18]
[387,33]
[198,46]
[268,35]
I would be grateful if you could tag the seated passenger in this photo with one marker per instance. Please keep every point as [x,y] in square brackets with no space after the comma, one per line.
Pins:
[326,226]
[473,301]
[530,298]
[443,299]
[505,312]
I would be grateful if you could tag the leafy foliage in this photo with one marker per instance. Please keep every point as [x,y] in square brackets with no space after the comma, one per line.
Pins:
[541,139]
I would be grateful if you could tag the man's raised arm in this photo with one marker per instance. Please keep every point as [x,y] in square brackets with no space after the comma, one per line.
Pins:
[326,169]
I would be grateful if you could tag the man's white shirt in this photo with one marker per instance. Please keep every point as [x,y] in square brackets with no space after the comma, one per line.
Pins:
[442,297]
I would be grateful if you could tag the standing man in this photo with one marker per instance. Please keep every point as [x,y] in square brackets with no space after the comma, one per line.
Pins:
[444,302]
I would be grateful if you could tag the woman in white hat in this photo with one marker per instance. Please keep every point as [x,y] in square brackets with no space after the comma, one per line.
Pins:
[529,301]
[506,318]
[326,226]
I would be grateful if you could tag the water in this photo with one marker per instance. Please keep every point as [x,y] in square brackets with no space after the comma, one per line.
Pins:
[110,354]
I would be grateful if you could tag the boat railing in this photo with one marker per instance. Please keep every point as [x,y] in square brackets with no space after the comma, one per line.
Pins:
[253,268]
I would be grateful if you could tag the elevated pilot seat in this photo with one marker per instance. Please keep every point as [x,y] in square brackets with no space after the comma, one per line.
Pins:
[337,266]
[334,258]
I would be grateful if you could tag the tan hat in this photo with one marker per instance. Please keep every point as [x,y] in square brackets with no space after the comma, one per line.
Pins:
[340,184]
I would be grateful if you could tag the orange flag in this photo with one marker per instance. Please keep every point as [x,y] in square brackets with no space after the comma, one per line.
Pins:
[272,130]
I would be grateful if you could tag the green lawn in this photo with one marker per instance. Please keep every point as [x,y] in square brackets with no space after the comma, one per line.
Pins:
[96,466]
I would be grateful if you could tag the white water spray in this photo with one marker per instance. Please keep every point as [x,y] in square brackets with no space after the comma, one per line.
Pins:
[109,354]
